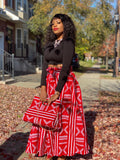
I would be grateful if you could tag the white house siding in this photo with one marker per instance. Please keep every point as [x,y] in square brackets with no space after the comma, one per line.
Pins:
[1,3]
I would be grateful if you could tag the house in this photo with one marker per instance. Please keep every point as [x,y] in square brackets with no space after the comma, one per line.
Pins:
[88,55]
[15,38]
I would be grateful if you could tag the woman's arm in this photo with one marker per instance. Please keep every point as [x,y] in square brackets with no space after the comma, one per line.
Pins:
[48,48]
[43,92]
[68,52]
[44,72]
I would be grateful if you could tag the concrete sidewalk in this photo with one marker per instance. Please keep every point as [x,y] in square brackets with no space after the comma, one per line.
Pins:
[28,81]
[91,83]
[90,86]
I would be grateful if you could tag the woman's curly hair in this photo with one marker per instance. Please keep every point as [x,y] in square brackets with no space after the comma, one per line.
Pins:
[69,29]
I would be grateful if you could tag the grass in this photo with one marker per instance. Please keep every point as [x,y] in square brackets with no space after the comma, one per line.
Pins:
[87,64]
[109,76]
[102,66]
[84,65]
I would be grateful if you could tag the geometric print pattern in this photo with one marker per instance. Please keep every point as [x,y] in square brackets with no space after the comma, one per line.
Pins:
[44,115]
[71,139]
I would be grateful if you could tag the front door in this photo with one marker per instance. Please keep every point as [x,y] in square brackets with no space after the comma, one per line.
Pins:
[1,47]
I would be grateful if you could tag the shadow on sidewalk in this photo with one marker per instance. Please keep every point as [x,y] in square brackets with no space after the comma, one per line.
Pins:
[13,147]
[90,117]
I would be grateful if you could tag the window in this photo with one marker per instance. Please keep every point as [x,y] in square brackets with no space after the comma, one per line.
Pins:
[30,10]
[25,39]
[9,3]
[10,39]
[25,5]
[18,38]
[19,4]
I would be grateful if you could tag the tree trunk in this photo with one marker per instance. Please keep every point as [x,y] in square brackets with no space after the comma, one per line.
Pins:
[107,61]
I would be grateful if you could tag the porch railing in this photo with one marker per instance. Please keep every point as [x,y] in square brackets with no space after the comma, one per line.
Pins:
[6,64]
[39,61]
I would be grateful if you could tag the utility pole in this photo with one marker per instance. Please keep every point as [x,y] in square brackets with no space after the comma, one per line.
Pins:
[107,50]
[117,46]
[118,39]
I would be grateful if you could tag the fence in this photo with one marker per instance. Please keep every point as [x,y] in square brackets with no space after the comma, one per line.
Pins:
[6,64]
[39,61]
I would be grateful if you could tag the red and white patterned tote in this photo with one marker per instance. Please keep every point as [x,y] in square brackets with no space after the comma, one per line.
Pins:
[44,115]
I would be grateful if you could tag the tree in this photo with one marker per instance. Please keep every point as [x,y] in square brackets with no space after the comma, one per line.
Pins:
[93,24]
[107,49]
[45,9]
[42,10]
[98,24]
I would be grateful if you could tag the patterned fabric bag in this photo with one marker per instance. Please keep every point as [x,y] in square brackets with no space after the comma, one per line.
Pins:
[44,115]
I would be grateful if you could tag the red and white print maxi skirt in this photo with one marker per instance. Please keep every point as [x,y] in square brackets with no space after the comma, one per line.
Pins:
[71,139]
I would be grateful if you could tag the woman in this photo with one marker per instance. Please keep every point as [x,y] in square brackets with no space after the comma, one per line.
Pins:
[58,81]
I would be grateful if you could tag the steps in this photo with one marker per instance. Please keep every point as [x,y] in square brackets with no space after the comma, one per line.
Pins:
[7,81]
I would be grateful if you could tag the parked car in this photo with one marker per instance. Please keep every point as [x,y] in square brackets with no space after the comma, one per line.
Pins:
[118,66]
[110,63]
[75,62]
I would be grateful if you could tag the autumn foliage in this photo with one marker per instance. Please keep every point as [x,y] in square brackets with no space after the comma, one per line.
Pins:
[107,47]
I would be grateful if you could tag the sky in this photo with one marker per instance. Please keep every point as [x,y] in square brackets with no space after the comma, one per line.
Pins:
[114,3]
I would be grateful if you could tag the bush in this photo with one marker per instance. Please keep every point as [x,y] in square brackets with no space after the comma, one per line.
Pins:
[80,52]
[81,56]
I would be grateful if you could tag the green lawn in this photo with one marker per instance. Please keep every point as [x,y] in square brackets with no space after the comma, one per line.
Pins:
[87,63]
[103,66]
[84,65]
[109,76]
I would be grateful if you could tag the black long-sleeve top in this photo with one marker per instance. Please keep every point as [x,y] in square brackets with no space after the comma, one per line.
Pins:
[62,54]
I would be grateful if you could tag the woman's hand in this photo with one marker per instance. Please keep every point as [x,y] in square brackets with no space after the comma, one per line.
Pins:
[53,97]
[43,94]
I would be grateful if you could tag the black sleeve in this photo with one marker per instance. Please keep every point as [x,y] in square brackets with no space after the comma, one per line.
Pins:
[68,52]
[44,72]
[47,49]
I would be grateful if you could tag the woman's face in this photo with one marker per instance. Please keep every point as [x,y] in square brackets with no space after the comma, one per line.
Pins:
[57,28]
